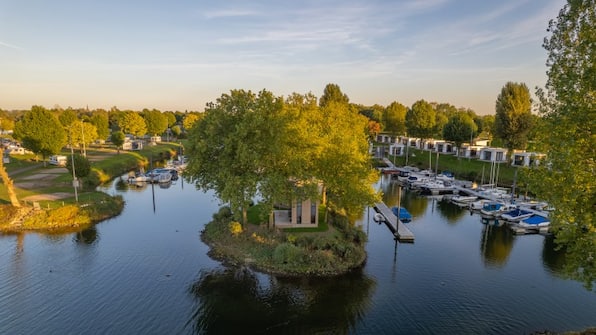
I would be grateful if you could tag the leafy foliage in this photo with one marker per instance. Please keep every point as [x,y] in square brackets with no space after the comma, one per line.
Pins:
[132,123]
[41,132]
[459,128]
[513,117]
[332,93]
[118,138]
[156,122]
[81,164]
[395,118]
[568,110]
[421,120]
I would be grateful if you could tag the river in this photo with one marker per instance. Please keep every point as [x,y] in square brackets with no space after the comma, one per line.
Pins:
[147,272]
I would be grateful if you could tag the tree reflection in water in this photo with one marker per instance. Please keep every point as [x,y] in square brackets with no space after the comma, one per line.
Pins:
[496,244]
[451,212]
[575,260]
[237,300]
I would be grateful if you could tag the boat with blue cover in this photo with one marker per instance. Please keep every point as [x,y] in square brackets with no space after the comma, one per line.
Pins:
[516,215]
[402,214]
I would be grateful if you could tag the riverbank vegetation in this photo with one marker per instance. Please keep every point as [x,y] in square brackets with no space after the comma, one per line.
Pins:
[334,251]
[48,197]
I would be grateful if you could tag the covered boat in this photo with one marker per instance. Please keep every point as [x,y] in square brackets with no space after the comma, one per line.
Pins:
[402,214]
[534,221]
[516,214]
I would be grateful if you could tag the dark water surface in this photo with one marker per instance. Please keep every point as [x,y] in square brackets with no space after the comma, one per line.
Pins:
[147,272]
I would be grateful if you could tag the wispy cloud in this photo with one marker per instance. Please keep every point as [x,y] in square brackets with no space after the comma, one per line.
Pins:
[10,46]
[225,13]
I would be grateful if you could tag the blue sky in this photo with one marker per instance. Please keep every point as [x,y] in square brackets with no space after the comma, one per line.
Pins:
[179,55]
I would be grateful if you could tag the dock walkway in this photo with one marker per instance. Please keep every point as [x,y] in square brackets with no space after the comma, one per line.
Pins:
[401,232]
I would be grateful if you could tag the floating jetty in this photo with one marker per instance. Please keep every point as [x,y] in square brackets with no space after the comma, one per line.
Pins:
[398,228]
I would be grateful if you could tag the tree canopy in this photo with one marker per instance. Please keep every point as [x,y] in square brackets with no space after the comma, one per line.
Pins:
[132,123]
[156,121]
[394,117]
[421,120]
[513,117]
[251,145]
[40,131]
[568,109]
[332,93]
[460,128]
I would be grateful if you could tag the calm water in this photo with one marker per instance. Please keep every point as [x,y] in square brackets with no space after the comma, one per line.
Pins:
[147,272]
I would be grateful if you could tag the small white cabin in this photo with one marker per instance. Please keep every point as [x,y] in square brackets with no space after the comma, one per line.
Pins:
[58,160]
[526,158]
[498,155]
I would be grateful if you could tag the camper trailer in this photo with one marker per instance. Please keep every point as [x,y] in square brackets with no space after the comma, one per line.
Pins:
[58,160]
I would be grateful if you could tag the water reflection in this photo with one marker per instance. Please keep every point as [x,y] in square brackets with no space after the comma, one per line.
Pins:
[496,244]
[554,260]
[413,202]
[451,212]
[237,300]
[86,236]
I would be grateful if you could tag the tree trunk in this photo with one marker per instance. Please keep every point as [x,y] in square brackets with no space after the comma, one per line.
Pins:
[244,217]
[8,182]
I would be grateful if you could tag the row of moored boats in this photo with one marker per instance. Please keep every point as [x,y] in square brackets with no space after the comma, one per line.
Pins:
[491,202]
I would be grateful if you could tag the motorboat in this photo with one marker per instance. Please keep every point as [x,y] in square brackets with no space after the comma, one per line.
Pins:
[478,204]
[516,215]
[463,200]
[378,217]
[436,187]
[402,214]
[494,208]
[534,221]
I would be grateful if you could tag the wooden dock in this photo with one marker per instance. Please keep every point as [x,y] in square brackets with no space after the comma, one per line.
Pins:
[399,230]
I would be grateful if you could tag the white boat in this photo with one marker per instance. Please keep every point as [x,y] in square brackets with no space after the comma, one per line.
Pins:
[463,200]
[494,208]
[378,217]
[478,204]
[160,175]
[436,187]
[516,214]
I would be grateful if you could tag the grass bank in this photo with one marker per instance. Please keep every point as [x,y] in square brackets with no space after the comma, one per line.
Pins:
[462,168]
[50,189]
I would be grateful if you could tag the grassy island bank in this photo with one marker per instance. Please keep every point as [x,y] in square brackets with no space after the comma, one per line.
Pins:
[332,249]
[47,196]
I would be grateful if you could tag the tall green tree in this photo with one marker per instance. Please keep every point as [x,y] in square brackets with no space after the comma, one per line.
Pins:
[117,138]
[100,120]
[332,93]
[40,131]
[394,118]
[421,120]
[132,123]
[67,117]
[344,165]
[226,147]
[156,122]
[460,128]
[513,116]
[171,117]
[81,133]
[190,119]
[568,109]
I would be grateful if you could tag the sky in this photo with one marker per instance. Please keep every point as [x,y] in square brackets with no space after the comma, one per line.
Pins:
[181,54]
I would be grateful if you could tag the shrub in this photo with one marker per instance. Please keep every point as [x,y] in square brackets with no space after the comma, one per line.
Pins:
[81,164]
[235,228]
[287,253]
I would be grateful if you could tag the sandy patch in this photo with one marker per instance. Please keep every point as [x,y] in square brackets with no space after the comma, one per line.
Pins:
[50,196]
[38,176]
